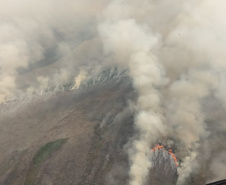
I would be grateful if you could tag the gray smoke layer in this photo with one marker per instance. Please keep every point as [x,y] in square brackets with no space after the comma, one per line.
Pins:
[43,43]
[174,51]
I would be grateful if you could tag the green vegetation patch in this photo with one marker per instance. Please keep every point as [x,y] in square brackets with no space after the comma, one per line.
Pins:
[45,151]
[42,154]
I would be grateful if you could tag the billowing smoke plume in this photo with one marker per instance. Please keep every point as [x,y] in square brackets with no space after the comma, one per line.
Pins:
[174,51]
[172,40]
[137,42]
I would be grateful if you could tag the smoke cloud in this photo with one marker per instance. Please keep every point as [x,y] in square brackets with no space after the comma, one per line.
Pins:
[147,75]
[39,43]
[174,51]
[175,57]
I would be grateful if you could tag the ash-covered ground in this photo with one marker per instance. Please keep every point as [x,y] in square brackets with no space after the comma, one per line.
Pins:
[74,137]
[164,169]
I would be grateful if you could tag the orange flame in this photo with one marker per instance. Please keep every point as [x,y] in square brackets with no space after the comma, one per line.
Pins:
[157,147]
[170,152]
[174,157]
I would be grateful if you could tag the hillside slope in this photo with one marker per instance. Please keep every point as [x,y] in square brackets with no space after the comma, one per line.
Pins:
[71,137]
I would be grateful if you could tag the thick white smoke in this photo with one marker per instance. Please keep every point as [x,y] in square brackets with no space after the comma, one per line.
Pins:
[187,48]
[134,42]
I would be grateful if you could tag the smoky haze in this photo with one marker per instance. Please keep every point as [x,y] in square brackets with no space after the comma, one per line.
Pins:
[174,51]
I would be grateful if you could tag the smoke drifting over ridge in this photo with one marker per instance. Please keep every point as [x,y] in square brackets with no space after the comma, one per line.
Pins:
[174,51]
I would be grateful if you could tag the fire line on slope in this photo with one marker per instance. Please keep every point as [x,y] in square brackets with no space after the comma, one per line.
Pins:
[170,152]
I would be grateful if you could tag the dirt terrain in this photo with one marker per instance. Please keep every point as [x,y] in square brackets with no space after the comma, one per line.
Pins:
[71,137]
[74,137]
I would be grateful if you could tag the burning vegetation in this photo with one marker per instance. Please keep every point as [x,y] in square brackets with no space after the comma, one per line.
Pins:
[170,152]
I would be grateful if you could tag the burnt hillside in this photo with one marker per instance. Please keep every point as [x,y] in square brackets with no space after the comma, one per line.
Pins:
[73,137]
